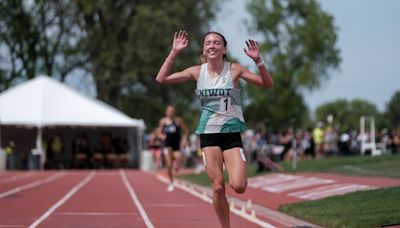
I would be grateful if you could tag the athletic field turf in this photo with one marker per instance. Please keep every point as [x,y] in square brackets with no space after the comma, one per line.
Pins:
[375,207]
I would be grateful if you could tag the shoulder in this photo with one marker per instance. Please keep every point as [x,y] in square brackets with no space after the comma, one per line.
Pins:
[236,68]
[162,121]
[194,71]
[194,68]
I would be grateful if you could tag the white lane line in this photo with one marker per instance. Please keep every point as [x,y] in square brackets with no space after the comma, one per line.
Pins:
[136,200]
[8,226]
[343,190]
[14,178]
[158,205]
[63,200]
[258,182]
[297,184]
[32,184]
[207,199]
[308,194]
[95,214]
[330,190]
[283,182]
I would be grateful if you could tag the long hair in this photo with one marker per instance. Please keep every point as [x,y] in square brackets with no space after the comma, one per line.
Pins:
[225,57]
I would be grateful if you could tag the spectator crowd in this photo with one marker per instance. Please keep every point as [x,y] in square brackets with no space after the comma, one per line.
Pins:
[271,147]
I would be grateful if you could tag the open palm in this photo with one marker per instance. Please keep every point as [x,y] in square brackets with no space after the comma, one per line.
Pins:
[180,41]
[252,50]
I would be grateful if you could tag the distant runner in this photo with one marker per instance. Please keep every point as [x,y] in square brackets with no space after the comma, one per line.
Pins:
[175,134]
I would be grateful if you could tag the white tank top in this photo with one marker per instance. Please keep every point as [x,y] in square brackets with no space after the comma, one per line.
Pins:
[221,104]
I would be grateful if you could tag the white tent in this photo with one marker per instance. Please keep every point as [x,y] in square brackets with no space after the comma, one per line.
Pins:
[44,102]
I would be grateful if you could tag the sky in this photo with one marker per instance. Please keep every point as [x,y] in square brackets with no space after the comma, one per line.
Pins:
[368,39]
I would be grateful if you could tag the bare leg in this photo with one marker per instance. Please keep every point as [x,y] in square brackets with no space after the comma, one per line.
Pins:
[158,159]
[236,167]
[170,164]
[214,168]
[178,158]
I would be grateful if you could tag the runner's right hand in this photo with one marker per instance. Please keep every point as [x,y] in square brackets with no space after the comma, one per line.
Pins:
[180,41]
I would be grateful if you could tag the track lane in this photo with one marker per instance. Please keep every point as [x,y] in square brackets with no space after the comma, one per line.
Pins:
[65,198]
[102,202]
[33,184]
[24,207]
[177,208]
[7,177]
[16,181]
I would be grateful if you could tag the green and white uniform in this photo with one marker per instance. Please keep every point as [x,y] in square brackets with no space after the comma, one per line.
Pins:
[221,103]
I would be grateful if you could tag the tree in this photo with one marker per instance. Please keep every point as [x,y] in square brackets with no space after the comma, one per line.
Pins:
[37,37]
[393,110]
[127,41]
[347,114]
[120,44]
[299,47]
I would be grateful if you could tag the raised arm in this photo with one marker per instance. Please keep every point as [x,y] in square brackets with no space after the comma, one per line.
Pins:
[264,79]
[179,43]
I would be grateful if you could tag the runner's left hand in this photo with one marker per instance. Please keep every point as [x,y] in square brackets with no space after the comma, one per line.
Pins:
[253,50]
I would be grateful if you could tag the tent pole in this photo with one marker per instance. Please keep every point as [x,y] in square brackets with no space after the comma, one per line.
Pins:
[39,147]
[0,134]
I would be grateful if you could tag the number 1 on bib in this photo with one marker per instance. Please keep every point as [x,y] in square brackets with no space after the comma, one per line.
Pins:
[225,104]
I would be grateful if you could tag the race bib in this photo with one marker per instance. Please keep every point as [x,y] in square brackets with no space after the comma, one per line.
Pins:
[225,104]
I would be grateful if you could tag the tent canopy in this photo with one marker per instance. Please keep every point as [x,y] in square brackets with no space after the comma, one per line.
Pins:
[44,102]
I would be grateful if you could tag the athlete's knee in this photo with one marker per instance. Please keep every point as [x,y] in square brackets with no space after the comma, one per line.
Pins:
[218,187]
[240,189]
[239,186]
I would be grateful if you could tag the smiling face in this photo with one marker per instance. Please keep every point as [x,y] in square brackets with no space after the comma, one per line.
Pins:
[214,46]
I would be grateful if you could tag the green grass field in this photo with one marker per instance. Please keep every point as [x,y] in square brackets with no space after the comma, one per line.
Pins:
[360,209]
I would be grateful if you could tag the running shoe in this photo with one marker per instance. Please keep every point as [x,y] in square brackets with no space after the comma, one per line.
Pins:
[170,188]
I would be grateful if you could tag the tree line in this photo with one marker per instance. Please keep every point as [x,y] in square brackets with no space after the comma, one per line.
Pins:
[347,113]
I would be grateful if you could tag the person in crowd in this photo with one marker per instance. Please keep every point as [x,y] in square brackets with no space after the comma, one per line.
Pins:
[10,153]
[57,151]
[156,147]
[81,151]
[395,141]
[318,138]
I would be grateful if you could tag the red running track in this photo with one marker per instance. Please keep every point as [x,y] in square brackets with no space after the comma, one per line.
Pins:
[118,198]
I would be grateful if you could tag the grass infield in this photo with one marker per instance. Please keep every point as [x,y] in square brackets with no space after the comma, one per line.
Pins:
[372,208]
